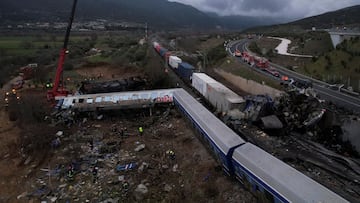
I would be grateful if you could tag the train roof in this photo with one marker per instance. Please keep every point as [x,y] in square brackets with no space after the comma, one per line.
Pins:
[226,92]
[284,179]
[204,77]
[218,132]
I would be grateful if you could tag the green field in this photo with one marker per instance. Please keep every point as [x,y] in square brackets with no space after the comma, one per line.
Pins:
[29,45]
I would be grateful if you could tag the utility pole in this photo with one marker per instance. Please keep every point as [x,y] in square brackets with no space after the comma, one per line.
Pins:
[203,55]
[146,31]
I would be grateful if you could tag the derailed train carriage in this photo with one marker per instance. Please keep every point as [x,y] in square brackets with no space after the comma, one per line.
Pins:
[268,177]
[209,127]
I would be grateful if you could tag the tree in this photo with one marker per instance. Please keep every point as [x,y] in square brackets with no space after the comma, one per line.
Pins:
[93,37]
[344,64]
[2,51]
[26,44]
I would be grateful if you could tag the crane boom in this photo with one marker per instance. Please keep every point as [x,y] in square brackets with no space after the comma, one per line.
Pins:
[59,90]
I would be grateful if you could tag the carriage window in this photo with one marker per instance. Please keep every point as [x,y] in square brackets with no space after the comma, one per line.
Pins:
[81,100]
[89,100]
[98,99]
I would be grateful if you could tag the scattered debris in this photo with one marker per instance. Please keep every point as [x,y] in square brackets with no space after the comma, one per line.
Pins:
[271,122]
[139,148]
[126,167]
[140,191]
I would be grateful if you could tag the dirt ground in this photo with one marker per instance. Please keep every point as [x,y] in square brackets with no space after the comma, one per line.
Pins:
[193,176]
[107,71]
[180,180]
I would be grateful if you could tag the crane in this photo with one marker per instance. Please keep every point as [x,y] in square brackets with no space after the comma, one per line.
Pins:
[59,89]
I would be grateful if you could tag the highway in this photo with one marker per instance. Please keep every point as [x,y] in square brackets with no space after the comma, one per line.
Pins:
[336,97]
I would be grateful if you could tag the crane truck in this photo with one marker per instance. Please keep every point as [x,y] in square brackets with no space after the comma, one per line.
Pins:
[58,89]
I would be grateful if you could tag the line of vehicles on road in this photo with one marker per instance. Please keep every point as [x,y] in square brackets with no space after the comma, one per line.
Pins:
[268,177]
[259,62]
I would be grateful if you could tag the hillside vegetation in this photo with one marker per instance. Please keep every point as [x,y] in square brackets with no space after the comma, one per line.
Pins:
[341,65]
[346,17]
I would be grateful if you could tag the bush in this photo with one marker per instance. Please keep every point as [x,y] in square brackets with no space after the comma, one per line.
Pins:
[216,54]
[68,66]
[255,48]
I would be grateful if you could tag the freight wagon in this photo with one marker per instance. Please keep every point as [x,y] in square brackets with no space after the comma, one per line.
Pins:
[174,61]
[221,97]
[185,71]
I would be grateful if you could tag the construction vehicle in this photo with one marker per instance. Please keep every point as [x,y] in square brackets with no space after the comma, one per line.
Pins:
[58,89]
[18,84]
[27,71]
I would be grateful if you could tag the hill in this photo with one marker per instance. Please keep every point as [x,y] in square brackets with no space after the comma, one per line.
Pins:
[349,16]
[340,66]
[158,13]
[346,17]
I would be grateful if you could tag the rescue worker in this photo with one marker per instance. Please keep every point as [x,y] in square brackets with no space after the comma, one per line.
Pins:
[91,144]
[171,154]
[70,172]
[122,132]
[125,186]
[55,143]
[94,173]
[141,131]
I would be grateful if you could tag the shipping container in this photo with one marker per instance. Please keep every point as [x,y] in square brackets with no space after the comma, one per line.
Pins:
[174,61]
[200,81]
[222,98]
[185,71]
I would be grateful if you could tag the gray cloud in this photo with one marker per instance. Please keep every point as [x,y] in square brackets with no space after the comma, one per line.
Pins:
[274,8]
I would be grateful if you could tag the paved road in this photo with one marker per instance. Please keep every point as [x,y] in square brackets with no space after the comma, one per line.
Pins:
[340,99]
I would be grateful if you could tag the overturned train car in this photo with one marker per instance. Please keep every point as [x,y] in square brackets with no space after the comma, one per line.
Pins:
[268,177]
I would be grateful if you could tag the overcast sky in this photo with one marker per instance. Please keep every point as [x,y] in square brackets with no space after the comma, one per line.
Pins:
[276,8]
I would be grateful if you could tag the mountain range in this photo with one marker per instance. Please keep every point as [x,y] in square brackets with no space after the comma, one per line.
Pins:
[157,13]
[342,17]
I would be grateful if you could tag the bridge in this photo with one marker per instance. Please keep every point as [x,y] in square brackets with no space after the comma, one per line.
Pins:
[338,36]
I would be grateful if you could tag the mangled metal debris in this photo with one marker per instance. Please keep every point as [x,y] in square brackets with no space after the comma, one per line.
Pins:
[271,122]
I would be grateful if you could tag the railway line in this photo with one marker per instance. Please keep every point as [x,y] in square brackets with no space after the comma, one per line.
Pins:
[186,78]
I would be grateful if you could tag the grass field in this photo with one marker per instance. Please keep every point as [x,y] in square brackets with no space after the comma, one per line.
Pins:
[29,45]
